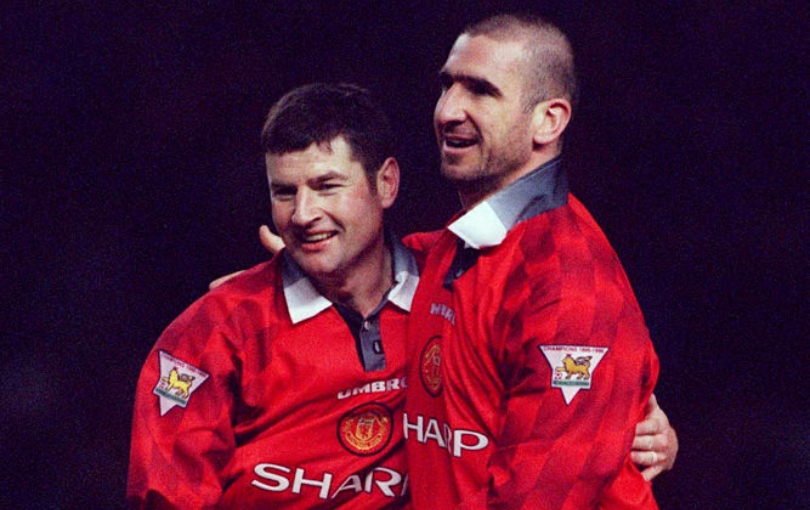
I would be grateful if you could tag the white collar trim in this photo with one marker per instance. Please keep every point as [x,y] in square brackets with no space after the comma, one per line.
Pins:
[480,227]
[304,301]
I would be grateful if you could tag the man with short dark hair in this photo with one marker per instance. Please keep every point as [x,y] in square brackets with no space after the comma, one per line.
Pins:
[529,362]
[283,388]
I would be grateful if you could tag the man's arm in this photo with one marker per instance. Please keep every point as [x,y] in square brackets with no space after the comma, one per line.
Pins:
[182,436]
[565,435]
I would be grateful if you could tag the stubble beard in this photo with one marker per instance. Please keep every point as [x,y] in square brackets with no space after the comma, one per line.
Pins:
[484,179]
[469,183]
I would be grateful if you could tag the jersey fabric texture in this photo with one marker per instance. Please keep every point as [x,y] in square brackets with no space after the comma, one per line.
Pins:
[257,397]
[529,360]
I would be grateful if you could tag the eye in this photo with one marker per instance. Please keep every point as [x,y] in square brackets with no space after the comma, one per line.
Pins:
[282,192]
[328,186]
[482,88]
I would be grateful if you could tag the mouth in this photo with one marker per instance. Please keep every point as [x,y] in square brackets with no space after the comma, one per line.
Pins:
[315,238]
[314,242]
[458,140]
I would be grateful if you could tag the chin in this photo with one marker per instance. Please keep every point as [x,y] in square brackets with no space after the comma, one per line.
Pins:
[458,173]
[310,265]
[464,175]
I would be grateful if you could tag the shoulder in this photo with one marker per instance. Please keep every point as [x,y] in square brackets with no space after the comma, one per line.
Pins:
[251,292]
[420,243]
[562,252]
[568,232]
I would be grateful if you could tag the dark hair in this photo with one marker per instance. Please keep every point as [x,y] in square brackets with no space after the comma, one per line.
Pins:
[320,112]
[550,70]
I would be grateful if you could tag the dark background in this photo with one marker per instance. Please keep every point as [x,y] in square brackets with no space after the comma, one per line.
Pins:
[132,176]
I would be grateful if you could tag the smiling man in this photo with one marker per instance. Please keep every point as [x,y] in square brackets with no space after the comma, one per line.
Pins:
[528,358]
[284,387]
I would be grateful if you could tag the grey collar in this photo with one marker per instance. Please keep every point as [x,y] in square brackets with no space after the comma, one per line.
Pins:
[487,224]
[304,301]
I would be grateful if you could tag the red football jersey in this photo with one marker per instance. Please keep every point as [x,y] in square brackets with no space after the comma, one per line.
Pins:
[529,367]
[255,397]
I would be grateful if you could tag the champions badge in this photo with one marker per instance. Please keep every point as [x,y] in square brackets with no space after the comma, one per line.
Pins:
[177,382]
[366,430]
[430,369]
[572,367]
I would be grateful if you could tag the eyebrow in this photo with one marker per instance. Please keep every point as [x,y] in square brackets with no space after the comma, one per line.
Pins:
[471,82]
[328,176]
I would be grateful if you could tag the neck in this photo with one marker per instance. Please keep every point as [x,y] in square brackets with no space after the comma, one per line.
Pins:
[363,289]
[474,192]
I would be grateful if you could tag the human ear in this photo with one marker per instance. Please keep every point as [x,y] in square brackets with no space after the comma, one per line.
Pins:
[549,120]
[388,182]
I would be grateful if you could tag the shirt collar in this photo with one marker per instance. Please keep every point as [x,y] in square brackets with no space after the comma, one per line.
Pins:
[487,224]
[304,301]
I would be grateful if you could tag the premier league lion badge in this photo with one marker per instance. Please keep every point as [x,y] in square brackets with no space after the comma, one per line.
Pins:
[177,381]
[572,367]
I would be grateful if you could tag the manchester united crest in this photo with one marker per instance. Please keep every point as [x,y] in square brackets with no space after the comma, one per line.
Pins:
[366,430]
[430,369]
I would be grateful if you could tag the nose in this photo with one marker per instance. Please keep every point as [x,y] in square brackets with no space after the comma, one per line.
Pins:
[450,106]
[306,209]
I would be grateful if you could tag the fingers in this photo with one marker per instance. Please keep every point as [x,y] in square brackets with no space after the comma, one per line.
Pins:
[271,243]
[654,453]
[655,445]
[671,447]
[652,404]
[649,443]
[648,458]
[222,279]
[651,472]
[652,425]
[655,421]
[269,240]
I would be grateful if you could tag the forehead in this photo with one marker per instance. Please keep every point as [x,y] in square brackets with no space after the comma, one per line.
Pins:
[335,157]
[498,61]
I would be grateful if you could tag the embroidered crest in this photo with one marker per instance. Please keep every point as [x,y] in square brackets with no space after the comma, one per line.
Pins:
[572,367]
[177,382]
[366,430]
[430,369]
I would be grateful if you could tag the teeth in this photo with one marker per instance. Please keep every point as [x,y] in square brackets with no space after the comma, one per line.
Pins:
[456,143]
[317,237]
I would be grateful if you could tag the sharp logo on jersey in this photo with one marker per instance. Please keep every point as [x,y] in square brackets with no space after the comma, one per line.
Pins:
[366,430]
[430,369]
[177,382]
[275,478]
[572,366]
[455,441]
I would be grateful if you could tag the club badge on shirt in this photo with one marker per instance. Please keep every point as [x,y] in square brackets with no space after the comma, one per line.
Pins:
[572,367]
[366,430]
[178,380]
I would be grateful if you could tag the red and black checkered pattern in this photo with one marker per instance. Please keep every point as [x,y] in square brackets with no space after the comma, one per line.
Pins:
[492,432]
[264,430]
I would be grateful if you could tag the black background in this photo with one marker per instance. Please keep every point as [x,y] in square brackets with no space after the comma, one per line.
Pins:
[132,176]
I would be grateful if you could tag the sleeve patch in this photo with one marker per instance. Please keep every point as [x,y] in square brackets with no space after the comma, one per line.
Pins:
[177,381]
[572,367]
